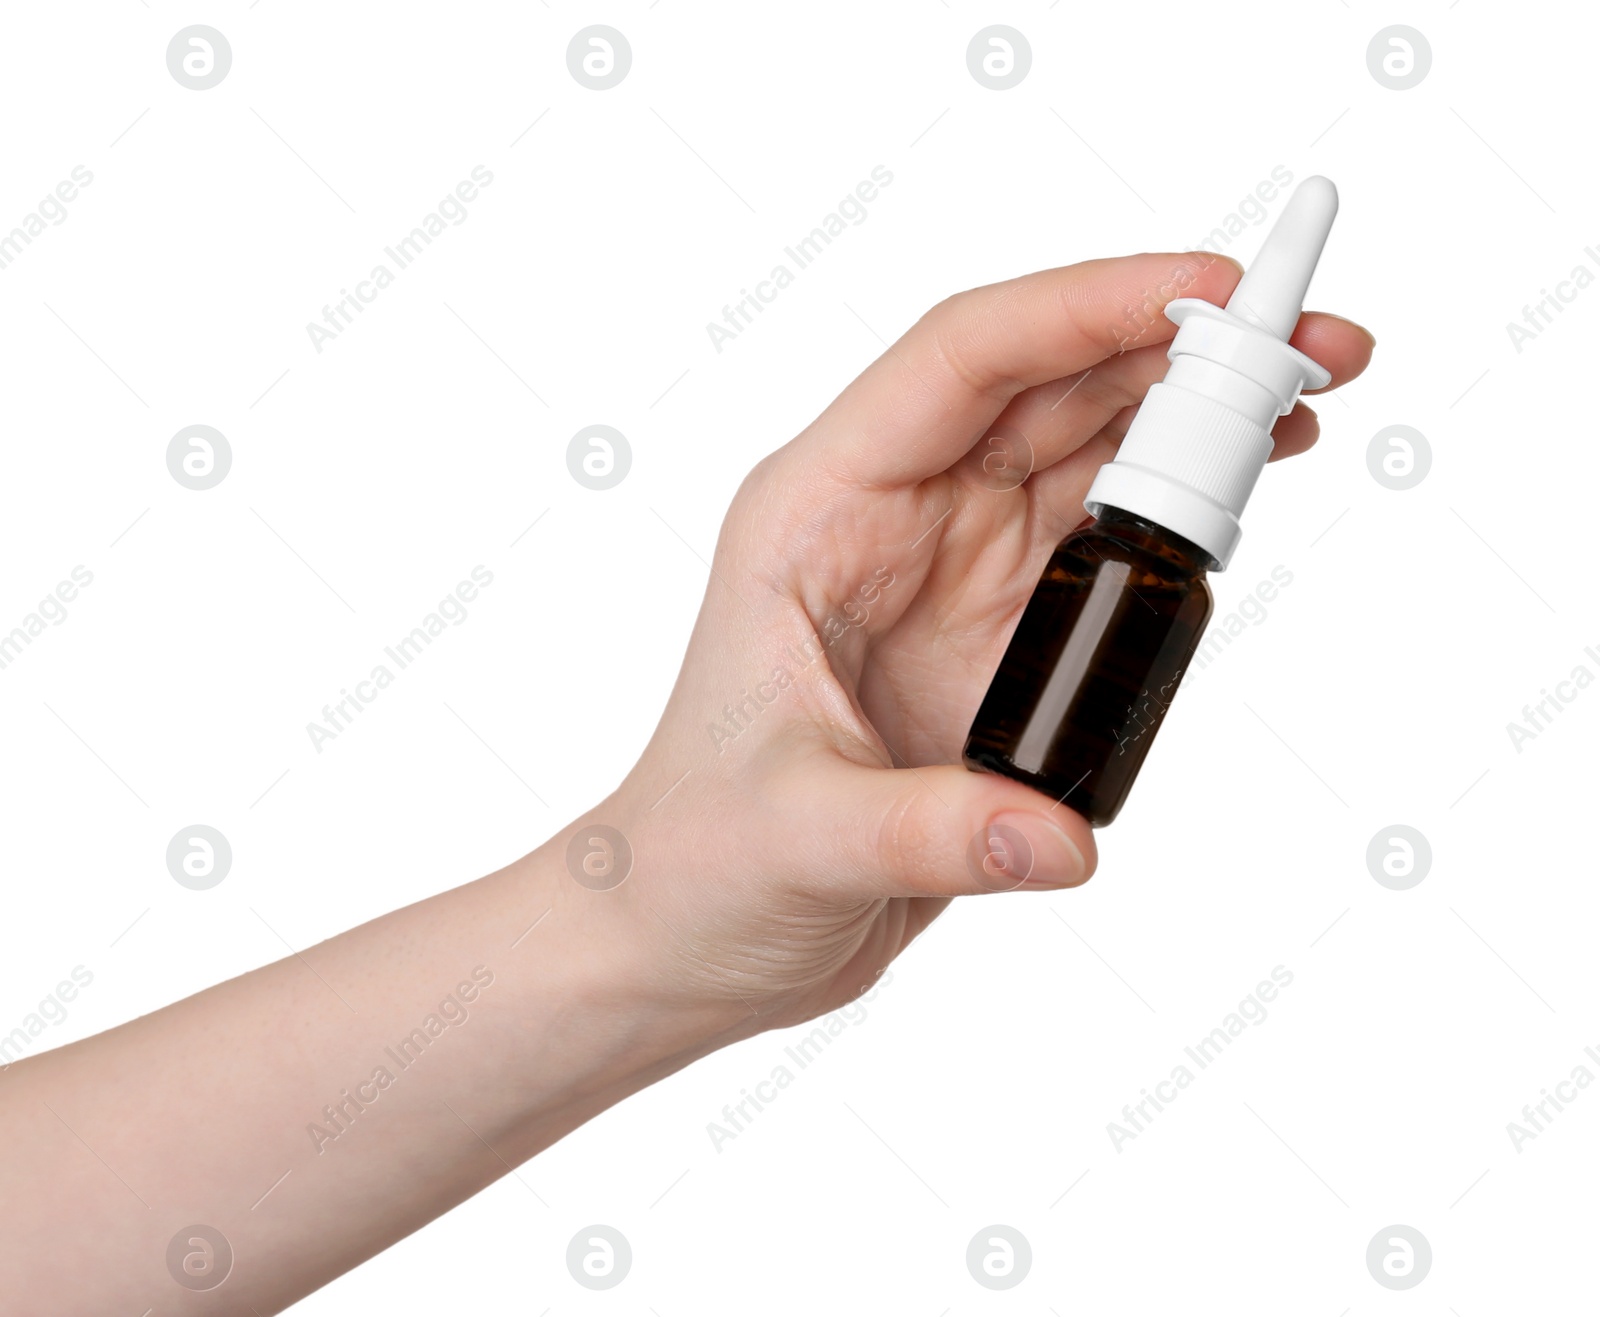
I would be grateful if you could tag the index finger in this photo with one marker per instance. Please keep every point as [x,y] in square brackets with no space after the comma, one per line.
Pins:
[918,408]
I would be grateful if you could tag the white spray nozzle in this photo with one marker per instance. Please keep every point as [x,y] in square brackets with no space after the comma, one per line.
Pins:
[1201,437]
[1273,288]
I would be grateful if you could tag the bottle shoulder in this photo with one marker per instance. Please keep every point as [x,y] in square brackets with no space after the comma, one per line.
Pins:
[1150,561]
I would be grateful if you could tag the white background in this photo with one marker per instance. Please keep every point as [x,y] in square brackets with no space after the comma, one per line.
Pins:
[428,436]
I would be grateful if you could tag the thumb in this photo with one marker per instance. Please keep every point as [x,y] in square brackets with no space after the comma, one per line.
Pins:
[939,831]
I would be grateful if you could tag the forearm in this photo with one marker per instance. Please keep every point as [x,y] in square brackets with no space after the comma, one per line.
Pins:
[318,1109]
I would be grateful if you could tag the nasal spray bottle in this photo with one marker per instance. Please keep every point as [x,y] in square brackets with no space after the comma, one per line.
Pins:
[1122,604]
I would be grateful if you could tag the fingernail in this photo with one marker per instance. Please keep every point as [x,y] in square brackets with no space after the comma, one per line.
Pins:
[1056,861]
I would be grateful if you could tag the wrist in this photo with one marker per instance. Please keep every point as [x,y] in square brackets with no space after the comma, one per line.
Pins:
[601,992]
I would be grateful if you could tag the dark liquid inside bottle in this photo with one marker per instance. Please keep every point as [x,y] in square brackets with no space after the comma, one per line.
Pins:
[1094,664]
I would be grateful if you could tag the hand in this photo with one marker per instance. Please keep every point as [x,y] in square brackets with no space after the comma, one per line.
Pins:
[795,821]
[866,581]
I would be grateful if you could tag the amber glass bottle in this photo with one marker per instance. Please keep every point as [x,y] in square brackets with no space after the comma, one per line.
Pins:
[1094,663]
[1106,637]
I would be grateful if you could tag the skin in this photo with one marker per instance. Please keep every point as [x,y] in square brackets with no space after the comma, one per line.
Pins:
[776,869]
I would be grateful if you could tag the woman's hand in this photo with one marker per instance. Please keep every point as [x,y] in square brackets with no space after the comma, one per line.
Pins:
[801,813]
[795,821]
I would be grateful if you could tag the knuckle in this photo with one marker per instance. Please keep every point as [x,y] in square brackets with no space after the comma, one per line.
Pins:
[954,330]
[1109,391]
[756,481]
[906,846]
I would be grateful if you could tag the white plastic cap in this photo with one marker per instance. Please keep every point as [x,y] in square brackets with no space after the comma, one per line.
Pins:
[1201,437]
